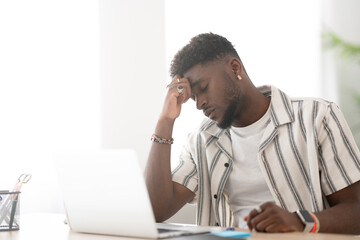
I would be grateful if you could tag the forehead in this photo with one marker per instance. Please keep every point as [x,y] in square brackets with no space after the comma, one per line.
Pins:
[201,72]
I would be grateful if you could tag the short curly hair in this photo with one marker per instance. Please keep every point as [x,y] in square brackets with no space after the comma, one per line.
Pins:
[203,48]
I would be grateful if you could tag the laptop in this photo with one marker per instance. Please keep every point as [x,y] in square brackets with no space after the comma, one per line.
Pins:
[105,193]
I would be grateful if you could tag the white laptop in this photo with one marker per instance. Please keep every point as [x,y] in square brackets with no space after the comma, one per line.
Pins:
[104,193]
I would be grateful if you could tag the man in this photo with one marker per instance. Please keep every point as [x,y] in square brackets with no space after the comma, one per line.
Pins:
[281,164]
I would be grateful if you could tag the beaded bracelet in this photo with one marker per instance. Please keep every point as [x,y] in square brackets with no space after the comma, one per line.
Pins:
[157,139]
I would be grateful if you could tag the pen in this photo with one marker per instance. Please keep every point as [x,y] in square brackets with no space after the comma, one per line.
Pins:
[221,229]
[13,210]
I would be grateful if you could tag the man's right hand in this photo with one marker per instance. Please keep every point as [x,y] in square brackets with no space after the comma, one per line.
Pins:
[174,99]
[166,196]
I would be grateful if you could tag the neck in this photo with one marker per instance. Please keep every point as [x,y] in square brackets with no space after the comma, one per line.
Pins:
[252,108]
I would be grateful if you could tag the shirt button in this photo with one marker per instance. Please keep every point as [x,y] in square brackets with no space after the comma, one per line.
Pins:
[226,165]
[215,196]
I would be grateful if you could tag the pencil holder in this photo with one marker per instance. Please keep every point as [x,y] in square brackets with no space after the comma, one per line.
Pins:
[9,210]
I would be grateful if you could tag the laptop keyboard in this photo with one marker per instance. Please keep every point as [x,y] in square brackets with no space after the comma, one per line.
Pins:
[166,230]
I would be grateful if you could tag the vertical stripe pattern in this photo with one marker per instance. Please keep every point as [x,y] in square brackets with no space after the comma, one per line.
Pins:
[307,152]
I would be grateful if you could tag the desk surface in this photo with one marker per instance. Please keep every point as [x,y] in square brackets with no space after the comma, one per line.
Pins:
[51,226]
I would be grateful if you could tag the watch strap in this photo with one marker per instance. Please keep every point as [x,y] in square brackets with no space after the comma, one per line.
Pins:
[304,217]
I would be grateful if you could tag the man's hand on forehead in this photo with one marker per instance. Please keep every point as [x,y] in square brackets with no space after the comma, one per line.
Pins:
[181,88]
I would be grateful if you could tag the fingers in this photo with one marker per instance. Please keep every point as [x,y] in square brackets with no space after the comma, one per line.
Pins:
[266,224]
[271,218]
[180,88]
[260,218]
[179,92]
[254,217]
[258,209]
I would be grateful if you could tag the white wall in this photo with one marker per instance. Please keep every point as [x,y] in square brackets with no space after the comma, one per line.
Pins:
[49,98]
[132,72]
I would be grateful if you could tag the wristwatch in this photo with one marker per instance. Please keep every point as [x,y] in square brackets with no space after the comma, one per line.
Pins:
[306,219]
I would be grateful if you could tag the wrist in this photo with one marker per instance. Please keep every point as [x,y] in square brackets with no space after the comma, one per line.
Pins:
[164,127]
[299,225]
[157,139]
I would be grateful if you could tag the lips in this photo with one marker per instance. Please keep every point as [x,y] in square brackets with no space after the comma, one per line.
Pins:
[208,112]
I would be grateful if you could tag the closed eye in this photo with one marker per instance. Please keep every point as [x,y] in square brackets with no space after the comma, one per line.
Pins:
[204,88]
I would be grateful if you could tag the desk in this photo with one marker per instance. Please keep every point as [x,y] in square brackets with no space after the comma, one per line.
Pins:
[52,227]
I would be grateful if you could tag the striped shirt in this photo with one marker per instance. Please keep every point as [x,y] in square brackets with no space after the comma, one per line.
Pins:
[306,153]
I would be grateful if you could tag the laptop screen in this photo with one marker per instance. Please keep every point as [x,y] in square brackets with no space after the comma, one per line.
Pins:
[104,192]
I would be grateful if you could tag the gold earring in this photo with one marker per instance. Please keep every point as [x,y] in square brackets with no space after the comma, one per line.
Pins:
[239,77]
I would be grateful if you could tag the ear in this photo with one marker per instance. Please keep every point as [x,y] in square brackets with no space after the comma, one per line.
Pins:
[236,66]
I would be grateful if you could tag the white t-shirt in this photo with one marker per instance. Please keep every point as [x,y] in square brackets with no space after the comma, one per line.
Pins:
[246,186]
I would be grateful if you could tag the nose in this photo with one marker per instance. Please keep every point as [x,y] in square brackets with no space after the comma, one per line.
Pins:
[200,102]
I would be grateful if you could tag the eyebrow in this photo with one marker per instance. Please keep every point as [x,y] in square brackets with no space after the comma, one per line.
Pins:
[196,82]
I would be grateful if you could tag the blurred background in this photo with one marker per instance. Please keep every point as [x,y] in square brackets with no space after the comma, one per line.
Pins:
[92,74]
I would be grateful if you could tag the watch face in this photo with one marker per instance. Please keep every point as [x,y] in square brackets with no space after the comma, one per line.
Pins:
[306,216]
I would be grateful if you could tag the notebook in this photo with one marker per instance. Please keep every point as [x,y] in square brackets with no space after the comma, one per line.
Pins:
[105,193]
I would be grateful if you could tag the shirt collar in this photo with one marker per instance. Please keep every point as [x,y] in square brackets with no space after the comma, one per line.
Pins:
[281,110]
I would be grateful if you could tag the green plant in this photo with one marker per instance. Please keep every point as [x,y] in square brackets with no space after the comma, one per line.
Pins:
[348,51]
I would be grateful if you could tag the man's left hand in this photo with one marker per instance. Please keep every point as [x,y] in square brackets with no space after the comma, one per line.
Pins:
[271,218]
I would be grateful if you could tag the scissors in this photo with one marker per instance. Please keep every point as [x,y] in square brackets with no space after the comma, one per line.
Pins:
[7,209]
[24,178]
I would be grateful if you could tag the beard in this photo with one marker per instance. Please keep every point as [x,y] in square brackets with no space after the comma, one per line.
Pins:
[229,115]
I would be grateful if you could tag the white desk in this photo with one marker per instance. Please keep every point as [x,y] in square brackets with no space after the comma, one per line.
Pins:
[52,227]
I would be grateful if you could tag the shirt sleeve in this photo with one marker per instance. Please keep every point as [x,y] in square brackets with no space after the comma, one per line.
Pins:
[339,155]
[186,172]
